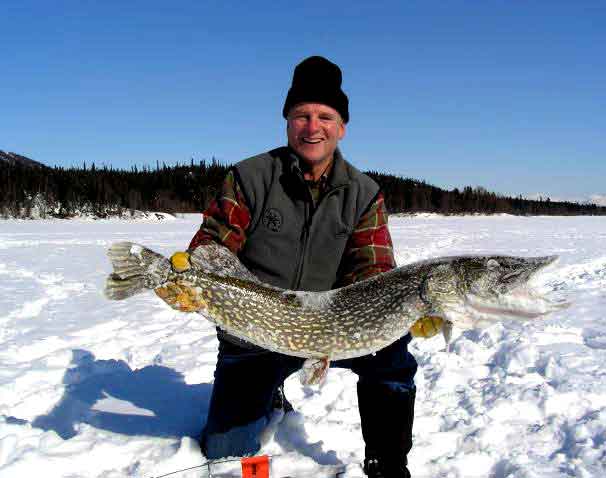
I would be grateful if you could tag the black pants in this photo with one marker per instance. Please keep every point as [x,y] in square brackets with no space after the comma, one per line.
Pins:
[246,380]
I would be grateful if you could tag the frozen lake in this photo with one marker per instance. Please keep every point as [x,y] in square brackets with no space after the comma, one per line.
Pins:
[93,388]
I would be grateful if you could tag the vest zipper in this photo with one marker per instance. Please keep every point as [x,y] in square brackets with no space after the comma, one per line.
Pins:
[303,244]
[328,193]
[306,227]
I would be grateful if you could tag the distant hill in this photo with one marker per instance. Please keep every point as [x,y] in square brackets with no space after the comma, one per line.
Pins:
[32,190]
[14,158]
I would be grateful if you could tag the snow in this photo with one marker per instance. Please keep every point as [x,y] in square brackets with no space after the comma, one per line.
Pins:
[95,388]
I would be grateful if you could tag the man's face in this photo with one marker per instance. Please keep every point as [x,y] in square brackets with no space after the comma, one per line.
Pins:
[314,131]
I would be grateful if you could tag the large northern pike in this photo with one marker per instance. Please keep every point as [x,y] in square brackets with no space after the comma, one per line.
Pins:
[352,321]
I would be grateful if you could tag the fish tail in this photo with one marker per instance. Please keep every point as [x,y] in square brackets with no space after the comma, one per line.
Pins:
[118,289]
[136,268]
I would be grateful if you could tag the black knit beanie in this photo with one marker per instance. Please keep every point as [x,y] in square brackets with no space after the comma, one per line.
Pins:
[317,80]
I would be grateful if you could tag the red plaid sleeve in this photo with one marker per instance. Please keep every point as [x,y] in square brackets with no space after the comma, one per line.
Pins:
[369,250]
[226,219]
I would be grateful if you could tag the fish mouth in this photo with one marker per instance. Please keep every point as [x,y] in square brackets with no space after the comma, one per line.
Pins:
[522,303]
[524,299]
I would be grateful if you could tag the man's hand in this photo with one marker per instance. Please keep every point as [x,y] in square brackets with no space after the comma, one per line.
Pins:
[427,326]
[180,261]
[181,295]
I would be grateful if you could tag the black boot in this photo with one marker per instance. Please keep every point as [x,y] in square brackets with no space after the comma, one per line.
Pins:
[387,414]
[280,401]
[377,468]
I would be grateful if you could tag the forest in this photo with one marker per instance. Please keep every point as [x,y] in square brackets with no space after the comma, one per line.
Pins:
[33,190]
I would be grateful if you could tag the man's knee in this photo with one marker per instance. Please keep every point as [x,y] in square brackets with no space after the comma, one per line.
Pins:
[242,399]
[393,364]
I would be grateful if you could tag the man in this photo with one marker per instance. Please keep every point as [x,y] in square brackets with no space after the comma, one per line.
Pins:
[301,217]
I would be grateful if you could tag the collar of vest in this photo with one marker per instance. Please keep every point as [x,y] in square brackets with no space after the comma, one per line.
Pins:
[337,177]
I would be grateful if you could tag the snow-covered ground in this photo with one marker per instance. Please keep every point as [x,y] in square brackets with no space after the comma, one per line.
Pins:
[93,388]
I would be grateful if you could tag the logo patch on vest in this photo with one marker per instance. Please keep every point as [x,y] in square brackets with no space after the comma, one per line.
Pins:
[272,219]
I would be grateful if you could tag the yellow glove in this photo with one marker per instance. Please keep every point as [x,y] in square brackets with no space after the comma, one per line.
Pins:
[427,326]
[180,261]
[180,295]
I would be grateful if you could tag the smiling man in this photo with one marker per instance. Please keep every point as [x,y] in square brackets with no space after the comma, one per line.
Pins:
[314,131]
[301,217]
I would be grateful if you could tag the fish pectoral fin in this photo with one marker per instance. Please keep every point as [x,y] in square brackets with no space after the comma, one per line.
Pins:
[427,326]
[314,371]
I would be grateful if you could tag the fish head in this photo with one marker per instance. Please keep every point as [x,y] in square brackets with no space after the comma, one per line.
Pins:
[493,276]
[475,291]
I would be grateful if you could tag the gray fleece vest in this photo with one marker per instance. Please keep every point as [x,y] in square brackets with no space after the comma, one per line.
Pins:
[291,244]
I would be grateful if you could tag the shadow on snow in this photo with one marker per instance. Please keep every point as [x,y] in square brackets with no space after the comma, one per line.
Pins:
[109,395]
[152,401]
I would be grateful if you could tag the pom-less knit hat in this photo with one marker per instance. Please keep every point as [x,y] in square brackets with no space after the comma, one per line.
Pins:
[317,80]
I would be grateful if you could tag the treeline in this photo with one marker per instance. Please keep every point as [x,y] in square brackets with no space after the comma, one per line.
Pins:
[32,190]
[40,191]
[410,195]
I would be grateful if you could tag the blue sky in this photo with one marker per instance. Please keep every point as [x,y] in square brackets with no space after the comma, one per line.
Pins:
[507,95]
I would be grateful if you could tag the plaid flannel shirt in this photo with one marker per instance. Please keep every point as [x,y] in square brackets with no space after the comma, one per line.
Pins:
[368,252]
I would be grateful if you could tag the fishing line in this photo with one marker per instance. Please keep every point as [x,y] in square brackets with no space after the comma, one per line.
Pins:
[208,464]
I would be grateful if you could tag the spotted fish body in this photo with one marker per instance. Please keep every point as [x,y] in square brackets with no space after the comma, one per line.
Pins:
[338,325]
[352,321]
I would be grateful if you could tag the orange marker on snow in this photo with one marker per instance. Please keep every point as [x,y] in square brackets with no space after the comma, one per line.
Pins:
[255,467]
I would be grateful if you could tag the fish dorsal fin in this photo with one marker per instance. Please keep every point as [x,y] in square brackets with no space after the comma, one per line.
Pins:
[219,260]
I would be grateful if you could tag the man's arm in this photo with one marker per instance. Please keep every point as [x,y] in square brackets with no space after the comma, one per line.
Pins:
[226,219]
[369,250]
